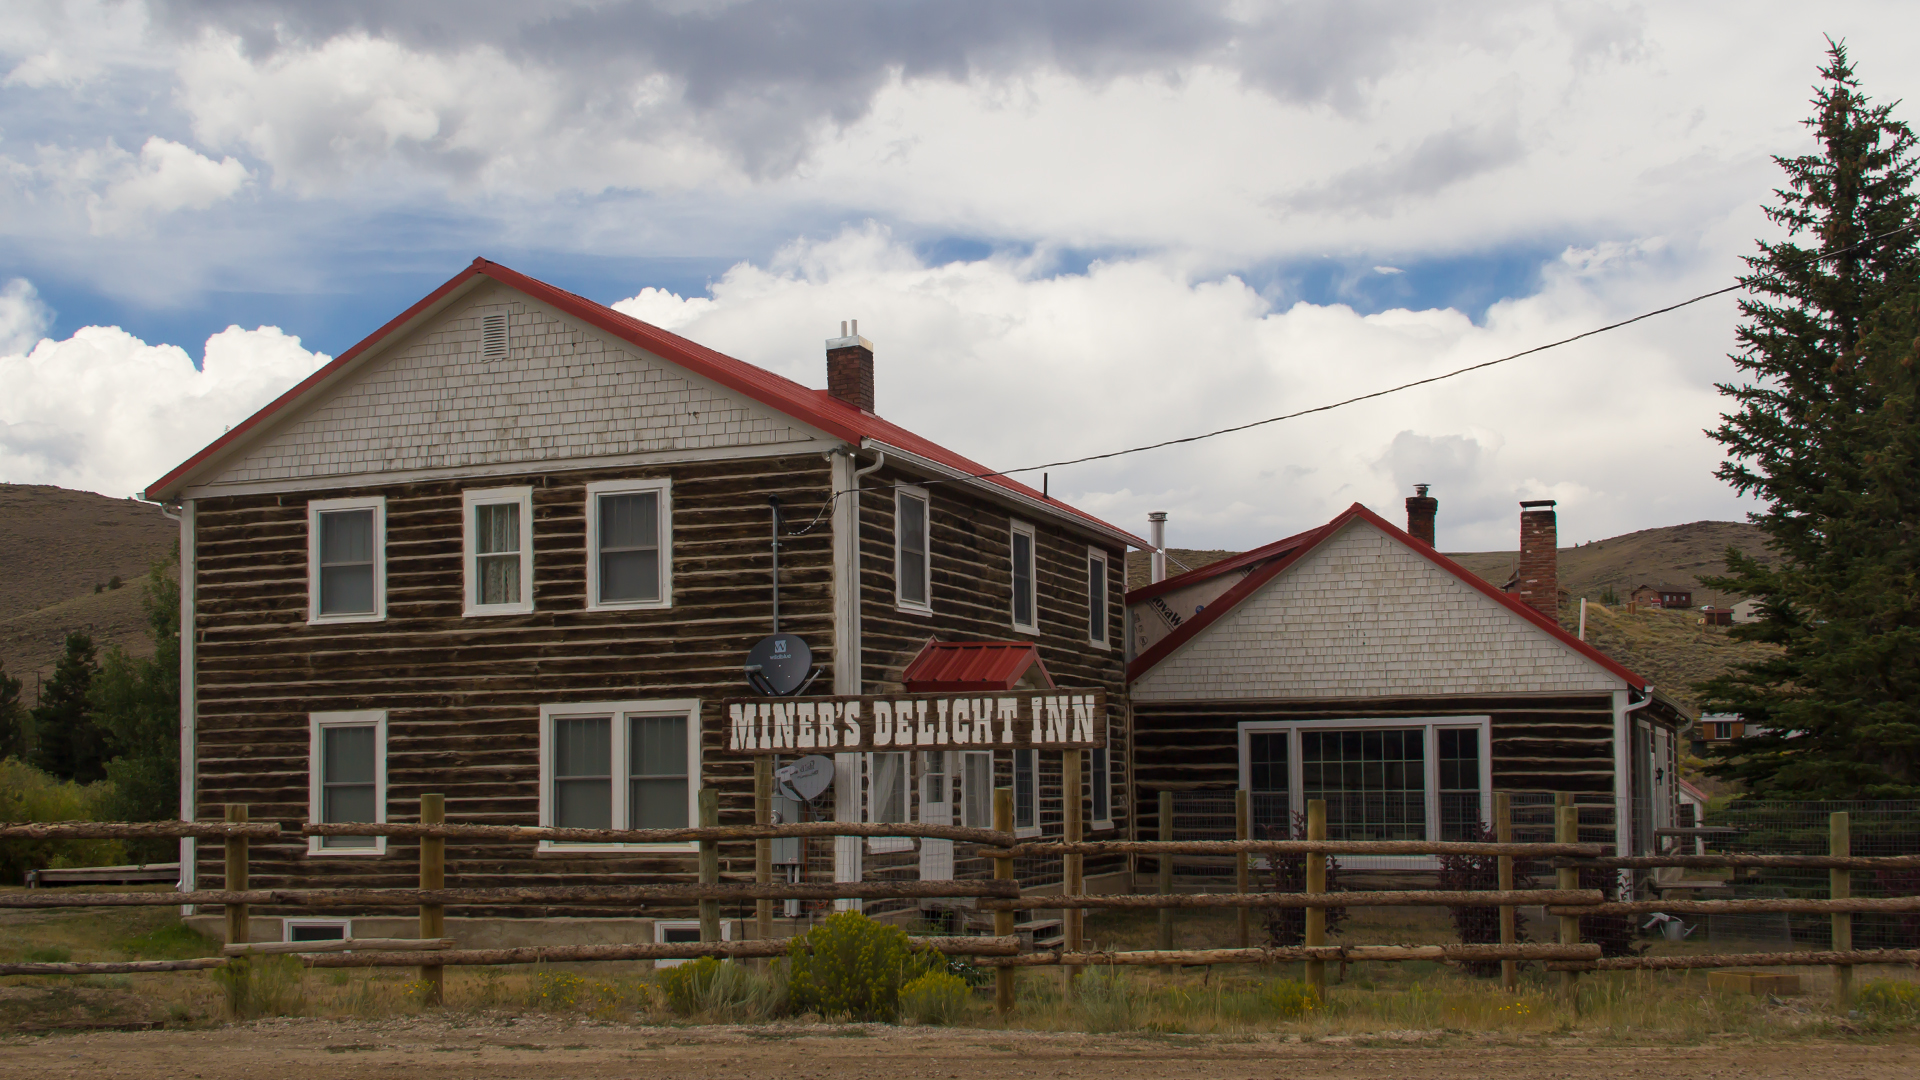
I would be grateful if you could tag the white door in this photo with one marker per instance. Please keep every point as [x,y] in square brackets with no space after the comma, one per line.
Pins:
[936,808]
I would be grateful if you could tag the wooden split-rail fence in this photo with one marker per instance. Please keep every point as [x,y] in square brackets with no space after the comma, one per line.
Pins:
[432,952]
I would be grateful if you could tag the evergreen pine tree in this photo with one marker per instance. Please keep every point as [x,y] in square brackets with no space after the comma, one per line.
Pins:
[137,701]
[66,741]
[1823,432]
[13,718]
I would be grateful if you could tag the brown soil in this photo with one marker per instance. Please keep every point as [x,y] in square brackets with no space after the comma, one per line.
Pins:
[56,545]
[472,1049]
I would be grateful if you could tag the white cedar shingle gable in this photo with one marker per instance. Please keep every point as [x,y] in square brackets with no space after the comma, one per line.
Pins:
[561,392]
[1364,616]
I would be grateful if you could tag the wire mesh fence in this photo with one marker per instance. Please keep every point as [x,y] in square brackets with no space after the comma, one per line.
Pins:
[1756,827]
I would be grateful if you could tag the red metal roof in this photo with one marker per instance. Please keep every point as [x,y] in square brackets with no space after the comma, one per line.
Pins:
[1292,549]
[814,407]
[973,665]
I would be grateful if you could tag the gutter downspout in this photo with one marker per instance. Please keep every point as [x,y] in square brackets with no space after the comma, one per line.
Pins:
[189,738]
[847,653]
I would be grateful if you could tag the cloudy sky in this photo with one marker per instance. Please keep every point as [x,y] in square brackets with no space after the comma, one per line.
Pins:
[1068,226]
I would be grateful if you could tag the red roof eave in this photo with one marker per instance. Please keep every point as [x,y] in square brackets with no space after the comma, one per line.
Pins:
[1232,597]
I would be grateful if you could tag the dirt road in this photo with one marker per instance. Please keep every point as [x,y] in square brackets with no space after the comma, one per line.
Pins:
[429,1049]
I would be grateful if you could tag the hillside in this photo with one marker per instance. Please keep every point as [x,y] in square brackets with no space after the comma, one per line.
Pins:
[1674,555]
[56,545]
[1673,650]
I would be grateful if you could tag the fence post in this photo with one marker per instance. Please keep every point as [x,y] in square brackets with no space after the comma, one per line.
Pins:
[1566,830]
[1073,881]
[1003,920]
[238,925]
[1166,874]
[1317,883]
[763,849]
[1840,842]
[1242,830]
[433,875]
[1503,832]
[709,864]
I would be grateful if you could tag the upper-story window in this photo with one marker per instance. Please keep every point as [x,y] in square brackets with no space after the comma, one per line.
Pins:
[1025,603]
[346,560]
[912,573]
[629,544]
[499,550]
[1097,596]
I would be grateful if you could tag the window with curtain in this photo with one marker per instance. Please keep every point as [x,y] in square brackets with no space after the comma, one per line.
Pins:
[1023,591]
[349,780]
[347,562]
[496,553]
[887,795]
[583,772]
[976,790]
[1026,789]
[910,549]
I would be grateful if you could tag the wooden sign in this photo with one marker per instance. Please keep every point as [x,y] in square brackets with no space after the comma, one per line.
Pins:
[1014,719]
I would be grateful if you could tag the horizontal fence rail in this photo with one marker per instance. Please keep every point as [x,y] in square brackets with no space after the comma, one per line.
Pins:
[720,833]
[137,830]
[1291,847]
[1740,960]
[1737,861]
[531,894]
[1848,905]
[1592,898]
[1286,954]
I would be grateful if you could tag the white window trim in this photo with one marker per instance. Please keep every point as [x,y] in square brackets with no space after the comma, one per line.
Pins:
[1105,640]
[1096,822]
[315,507]
[1013,778]
[1021,528]
[664,487]
[661,926]
[620,711]
[470,556]
[883,844]
[900,602]
[287,925]
[377,720]
[1432,725]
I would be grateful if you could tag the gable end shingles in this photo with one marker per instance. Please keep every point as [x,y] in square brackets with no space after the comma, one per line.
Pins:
[563,392]
[1364,616]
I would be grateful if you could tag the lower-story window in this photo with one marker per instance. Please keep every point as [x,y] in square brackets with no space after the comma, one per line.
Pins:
[347,779]
[1387,779]
[976,790]
[619,765]
[1026,791]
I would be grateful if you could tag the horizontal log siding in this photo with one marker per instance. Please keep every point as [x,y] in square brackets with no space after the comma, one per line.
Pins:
[970,544]
[1539,744]
[463,695]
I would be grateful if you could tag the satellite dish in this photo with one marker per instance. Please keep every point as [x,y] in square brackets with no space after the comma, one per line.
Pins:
[778,663]
[805,779]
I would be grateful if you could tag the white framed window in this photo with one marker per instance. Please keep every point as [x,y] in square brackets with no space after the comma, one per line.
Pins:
[1026,614]
[630,544]
[683,931]
[1097,597]
[1026,792]
[347,560]
[498,550]
[347,778]
[912,558]
[887,799]
[1418,778]
[1100,779]
[976,789]
[316,929]
[620,765]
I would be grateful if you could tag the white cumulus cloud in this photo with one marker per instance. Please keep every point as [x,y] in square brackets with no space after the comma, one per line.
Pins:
[165,178]
[104,411]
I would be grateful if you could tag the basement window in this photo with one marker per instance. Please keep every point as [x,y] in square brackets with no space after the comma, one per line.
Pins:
[316,929]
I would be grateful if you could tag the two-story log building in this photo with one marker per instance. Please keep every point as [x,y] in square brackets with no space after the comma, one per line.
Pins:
[514,546]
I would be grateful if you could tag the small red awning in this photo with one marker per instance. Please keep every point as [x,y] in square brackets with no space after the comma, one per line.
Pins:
[944,666]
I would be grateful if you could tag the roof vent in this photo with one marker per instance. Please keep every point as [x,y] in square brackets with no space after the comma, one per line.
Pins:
[493,337]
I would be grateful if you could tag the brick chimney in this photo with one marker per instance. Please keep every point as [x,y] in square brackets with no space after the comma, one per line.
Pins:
[1420,510]
[850,367]
[1540,558]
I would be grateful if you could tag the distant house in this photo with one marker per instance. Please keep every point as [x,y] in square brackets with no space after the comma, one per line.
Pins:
[1716,729]
[1746,611]
[1716,616]
[1671,597]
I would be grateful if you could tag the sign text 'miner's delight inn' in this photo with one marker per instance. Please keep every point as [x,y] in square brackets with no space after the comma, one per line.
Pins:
[1011,720]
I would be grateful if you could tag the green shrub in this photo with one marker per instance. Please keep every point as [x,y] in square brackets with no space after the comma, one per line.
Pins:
[853,967]
[717,989]
[1290,1000]
[1104,1000]
[1888,998]
[263,986]
[174,941]
[27,794]
[938,997]
[47,954]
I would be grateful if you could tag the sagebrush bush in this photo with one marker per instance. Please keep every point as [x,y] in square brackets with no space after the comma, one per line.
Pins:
[1289,1000]
[853,967]
[719,989]
[263,985]
[1889,998]
[938,997]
